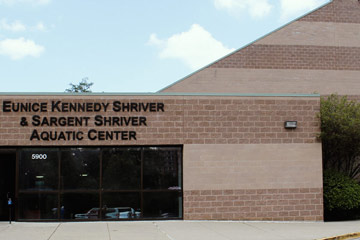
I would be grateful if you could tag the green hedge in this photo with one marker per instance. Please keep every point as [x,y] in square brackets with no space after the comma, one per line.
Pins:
[341,195]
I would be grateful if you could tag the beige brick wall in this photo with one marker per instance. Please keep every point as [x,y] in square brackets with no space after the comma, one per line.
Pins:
[293,57]
[315,34]
[186,120]
[346,11]
[253,182]
[244,80]
[252,166]
[238,160]
[304,204]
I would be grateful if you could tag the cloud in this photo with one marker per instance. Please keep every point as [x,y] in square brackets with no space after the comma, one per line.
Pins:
[256,8]
[40,26]
[34,2]
[196,47]
[293,8]
[16,26]
[19,48]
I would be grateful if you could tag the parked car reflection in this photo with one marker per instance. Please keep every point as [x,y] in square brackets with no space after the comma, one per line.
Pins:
[91,214]
[110,213]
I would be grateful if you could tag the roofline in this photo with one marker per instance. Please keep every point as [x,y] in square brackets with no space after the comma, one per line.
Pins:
[158,94]
[258,39]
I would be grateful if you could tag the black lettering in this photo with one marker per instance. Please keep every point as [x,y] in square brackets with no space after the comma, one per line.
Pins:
[61,136]
[36,107]
[135,121]
[145,106]
[92,134]
[142,121]
[160,107]
[98,120]
[152,107]
[55,105]
[127,121]
[134,107]
[89,107]
[124,135]
[116,106]
[6,106]
[79,135]
[36,120]
[34,135]
[53,121]
[43,107]
[65,107]
[132,135]
[44,136]
[97,107]
[105,106]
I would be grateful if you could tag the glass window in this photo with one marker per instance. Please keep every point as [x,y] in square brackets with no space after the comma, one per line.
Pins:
[80,206]
[107,183]
[121,205]
[121,168]
[162,205]
[162,168]
[38,206]
[38,169]
[80,168]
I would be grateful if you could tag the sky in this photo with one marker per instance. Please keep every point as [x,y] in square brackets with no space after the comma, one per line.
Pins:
[127,46]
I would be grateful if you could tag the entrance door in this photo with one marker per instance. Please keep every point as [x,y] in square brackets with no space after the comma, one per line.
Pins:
[7,183]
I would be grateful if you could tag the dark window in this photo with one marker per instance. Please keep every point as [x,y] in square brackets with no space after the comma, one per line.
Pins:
[110,183]
[38,206]
[80,206]
[162,168]
[80,169]
[38,169]
[121,168]
[162,205]
[122,205]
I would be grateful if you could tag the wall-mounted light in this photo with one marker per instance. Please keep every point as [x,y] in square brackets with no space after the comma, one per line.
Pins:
[290,124]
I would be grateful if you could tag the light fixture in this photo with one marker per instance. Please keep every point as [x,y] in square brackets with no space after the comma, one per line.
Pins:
[290,124]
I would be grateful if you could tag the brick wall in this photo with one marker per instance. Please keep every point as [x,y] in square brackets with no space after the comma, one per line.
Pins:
[260,56]
[345,11]
[299,204]
[186,120]
[239,163]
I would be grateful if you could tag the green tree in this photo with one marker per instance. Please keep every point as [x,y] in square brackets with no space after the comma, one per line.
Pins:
[83,86]
[340,134]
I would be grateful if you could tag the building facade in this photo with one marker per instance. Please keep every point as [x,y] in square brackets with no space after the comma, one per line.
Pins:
[236,140]
[219,157]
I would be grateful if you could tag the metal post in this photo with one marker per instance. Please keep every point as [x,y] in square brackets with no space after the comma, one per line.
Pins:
[9,204]
[9,214]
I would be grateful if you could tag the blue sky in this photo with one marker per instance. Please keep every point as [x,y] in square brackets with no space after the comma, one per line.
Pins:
[127,46]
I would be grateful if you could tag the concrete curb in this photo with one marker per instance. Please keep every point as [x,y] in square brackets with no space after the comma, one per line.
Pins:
[343,237]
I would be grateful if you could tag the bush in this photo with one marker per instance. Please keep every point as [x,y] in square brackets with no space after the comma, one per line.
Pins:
[341,196]
[340,134]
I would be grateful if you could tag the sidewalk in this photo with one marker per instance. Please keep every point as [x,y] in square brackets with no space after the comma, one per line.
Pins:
[175,230]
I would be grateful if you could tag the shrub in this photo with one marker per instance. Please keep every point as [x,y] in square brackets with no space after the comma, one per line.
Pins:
[340,134]
[340,192]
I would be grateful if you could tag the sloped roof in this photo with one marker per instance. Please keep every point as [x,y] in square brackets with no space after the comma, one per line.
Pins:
[318,52]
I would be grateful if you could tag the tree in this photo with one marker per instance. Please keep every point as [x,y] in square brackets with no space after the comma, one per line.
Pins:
[83,86]
[340,135]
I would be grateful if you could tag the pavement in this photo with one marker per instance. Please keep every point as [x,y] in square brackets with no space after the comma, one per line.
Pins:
[177,230]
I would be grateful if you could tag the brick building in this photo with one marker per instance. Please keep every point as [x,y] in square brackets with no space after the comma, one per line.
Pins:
[212,146]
